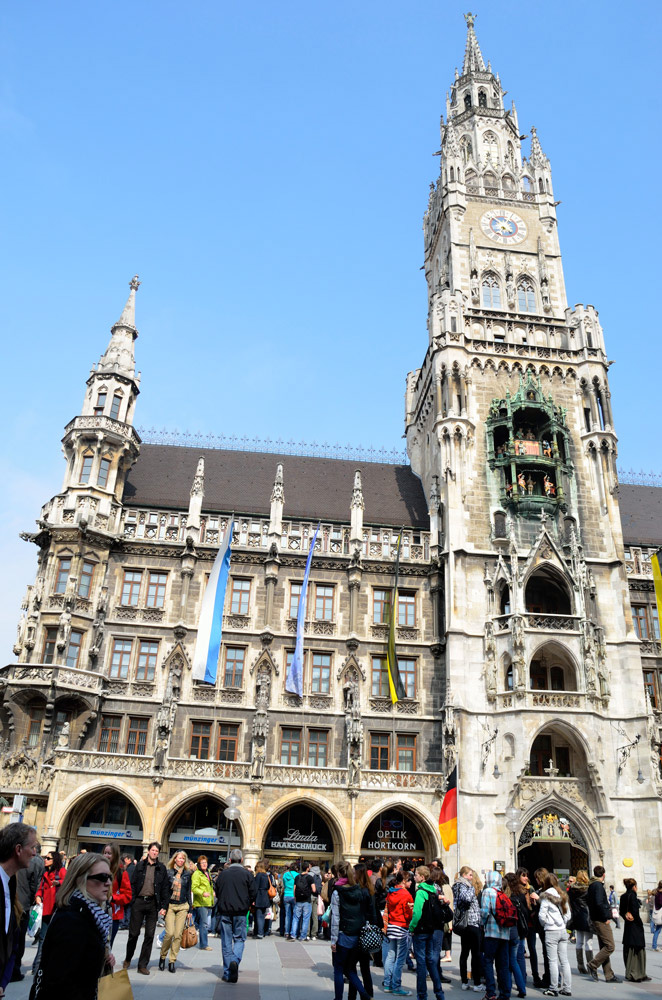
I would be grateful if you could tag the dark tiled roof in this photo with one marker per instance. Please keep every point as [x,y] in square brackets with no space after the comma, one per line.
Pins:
[242,481]
[641,514]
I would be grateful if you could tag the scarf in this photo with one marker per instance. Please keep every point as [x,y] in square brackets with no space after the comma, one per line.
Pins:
[102,919]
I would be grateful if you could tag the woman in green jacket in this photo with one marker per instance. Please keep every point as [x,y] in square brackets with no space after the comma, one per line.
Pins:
[203,899]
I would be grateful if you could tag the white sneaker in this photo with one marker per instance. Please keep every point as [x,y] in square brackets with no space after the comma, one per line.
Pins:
[466,986]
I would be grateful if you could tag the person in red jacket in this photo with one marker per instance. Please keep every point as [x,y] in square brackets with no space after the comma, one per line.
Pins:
[399,909]
[121,887]
[51,880]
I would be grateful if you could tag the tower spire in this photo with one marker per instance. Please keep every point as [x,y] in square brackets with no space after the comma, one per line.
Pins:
[119,355]
[473,57]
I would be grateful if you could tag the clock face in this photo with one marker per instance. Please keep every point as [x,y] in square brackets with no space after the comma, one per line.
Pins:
[503,226]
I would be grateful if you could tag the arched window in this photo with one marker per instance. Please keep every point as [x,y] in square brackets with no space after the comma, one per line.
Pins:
[509,677]
[489,180]
[470,177]
[482,99]
[526,296]
[491,292]
[508,182]
[547,593]
[86,467]
[526,183]
[467,148]
[467,101]
[104,469]
[452,174]
[540,187]
[550,747]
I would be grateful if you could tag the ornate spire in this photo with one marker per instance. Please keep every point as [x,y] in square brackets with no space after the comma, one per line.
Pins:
[357,492]
[473,57]
[451,143]
[278,492]
[128,317]
[537,158]
[198,486]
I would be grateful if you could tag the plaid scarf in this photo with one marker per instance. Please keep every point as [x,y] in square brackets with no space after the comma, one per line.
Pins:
[102,919]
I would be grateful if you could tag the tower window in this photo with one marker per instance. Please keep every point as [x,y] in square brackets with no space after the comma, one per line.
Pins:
[115,407]
[526,297]
[491,292]
[467,101]
[86,468]
[467,150]
[104,469]
[482,99]
[73,649]
[63,570]
[85,581]
[100,405]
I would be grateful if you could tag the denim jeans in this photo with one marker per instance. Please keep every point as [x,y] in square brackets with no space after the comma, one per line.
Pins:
[344,960]
[288,906]
[656,933]
[521,959]
[301,920]
[259,921]
[233,935]
[395,959]
[426,964]
[514,965]
[496,951]
[200,916]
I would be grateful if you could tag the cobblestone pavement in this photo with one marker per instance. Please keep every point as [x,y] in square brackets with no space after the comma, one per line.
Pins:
[274,969]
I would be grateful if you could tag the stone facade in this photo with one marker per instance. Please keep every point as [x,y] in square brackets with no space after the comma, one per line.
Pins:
[515,632]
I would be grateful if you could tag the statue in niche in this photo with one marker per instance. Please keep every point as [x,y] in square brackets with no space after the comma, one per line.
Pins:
[475,288]
[263,689]
[258,758]
[529,486]
[63,738]
[351,694]
[64,630]
[353,772]
[174,685]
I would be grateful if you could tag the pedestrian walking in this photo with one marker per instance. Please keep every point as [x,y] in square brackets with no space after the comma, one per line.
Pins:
[262,898]
[202,892]
[422,929]
[18,846]
[600,913]
[656,916]
[150,889]
[614,903]
[442,936]
[467,925]
[554,916]
[76,950]
[289,878]
[366,883]
[51,880]
[399,908]
[351,908]
[581,921]
[28,881]
[304,891]
[235,889]
[120,887]
[518,932]
[179,905]
[634,938]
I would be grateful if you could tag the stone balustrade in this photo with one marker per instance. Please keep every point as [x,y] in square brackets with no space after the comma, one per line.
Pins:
[42,674]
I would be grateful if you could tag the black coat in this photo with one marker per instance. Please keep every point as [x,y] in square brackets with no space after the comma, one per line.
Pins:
[261,887]
[7,940]
[72,958]
[235,889]
[598,904]
[161,883]
[633,930]
[581,920]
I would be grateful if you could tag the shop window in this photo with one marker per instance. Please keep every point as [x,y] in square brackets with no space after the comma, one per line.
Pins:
[148,652]
[240,596]
[381,607]
[320,680]
[406,608]
[380,746]
[290,745]
[109,733]
[200,740]
[228,741]
[73,648]
[50,639]
[131,587]
[156,589]
[318,744]
[379,686]
[234,666]
[85,580]
[63,570]
[406,752]
[136,739]
[323,603]
[121,658]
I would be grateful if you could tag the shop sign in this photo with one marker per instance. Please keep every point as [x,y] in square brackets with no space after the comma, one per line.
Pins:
[211,839]
[499,866]
[294,840]
[111,833]
[392,833]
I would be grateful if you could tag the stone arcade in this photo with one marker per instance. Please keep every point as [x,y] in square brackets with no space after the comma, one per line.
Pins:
[527,634]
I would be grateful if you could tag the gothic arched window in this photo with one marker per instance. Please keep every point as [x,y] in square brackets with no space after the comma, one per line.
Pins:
[526,183]
[482,99]
[526,296]
[467,101]
[507,182]
[540,187]
[491,292]
[489,180]
[467,148]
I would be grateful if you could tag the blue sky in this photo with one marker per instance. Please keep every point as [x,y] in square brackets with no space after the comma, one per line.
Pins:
[264,167]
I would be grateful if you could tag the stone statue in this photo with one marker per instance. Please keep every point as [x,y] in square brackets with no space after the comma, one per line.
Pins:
[63,738]
[262,689]
[257,759]
[475,288]
[64,630]
[350,694]
[353,772]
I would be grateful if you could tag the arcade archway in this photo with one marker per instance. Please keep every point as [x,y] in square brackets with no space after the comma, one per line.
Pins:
[101,817]
[300,832]
[398,833]
[553,840]
[198,826]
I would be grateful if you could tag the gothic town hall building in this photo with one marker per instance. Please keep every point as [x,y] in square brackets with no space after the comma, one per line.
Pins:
[527,635]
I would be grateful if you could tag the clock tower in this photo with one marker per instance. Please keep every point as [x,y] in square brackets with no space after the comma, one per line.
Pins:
[509,425]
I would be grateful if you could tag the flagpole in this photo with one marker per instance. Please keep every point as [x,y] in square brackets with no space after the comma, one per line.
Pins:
[457,780]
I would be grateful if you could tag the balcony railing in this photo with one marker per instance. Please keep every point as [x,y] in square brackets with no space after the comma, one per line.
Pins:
[31,674]
[542,699]
[550,623]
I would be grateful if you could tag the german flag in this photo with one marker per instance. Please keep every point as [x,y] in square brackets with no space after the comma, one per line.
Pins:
[448,814]
[395,685]
[657,580]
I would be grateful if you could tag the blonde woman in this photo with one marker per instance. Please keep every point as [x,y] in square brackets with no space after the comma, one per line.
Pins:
[76,948]
[180,902]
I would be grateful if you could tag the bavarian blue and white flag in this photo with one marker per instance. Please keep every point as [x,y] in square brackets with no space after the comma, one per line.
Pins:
[210,625]
[294,679]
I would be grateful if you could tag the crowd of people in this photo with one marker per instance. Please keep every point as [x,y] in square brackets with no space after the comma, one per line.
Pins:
[382,916]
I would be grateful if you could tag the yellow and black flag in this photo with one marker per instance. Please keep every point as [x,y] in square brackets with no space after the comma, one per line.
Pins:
[657,580]
[395,685]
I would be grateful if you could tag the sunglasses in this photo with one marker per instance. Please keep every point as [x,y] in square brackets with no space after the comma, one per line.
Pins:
[106,877]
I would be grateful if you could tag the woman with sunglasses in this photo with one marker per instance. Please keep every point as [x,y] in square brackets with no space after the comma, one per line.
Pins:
[51,881]
[76,950]
[121,894]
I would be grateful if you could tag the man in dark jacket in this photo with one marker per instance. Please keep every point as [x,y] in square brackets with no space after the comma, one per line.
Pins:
[235,891]
[151,892]
[18,846]
[27,883]
[600,913]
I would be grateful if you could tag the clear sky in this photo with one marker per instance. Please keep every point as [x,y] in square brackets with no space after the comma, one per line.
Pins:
[264,167]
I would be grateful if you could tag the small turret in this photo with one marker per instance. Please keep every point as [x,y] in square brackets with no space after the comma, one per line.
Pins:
[277,505]
[195,502]
[357,507]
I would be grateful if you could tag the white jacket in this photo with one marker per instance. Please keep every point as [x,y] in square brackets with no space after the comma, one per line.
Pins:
[550,915]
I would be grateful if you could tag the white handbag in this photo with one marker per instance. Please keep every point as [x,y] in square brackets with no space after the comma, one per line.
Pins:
[657,917]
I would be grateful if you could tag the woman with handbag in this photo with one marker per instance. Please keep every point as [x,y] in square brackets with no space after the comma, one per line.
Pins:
[51,880]
[581,921]
[262,898]
[634,938]
[364,880]
[202,892]
[121,893]
[351,908]
[179,878]
[76,949]
[466,924]
[656,915]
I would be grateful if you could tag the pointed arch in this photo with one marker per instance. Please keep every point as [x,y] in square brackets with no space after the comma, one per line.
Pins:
[491,290]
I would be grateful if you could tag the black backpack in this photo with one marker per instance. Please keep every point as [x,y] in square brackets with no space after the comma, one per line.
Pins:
[302,891]
[436,911]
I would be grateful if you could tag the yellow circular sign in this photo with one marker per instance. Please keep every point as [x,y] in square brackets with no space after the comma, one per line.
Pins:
[627,862]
